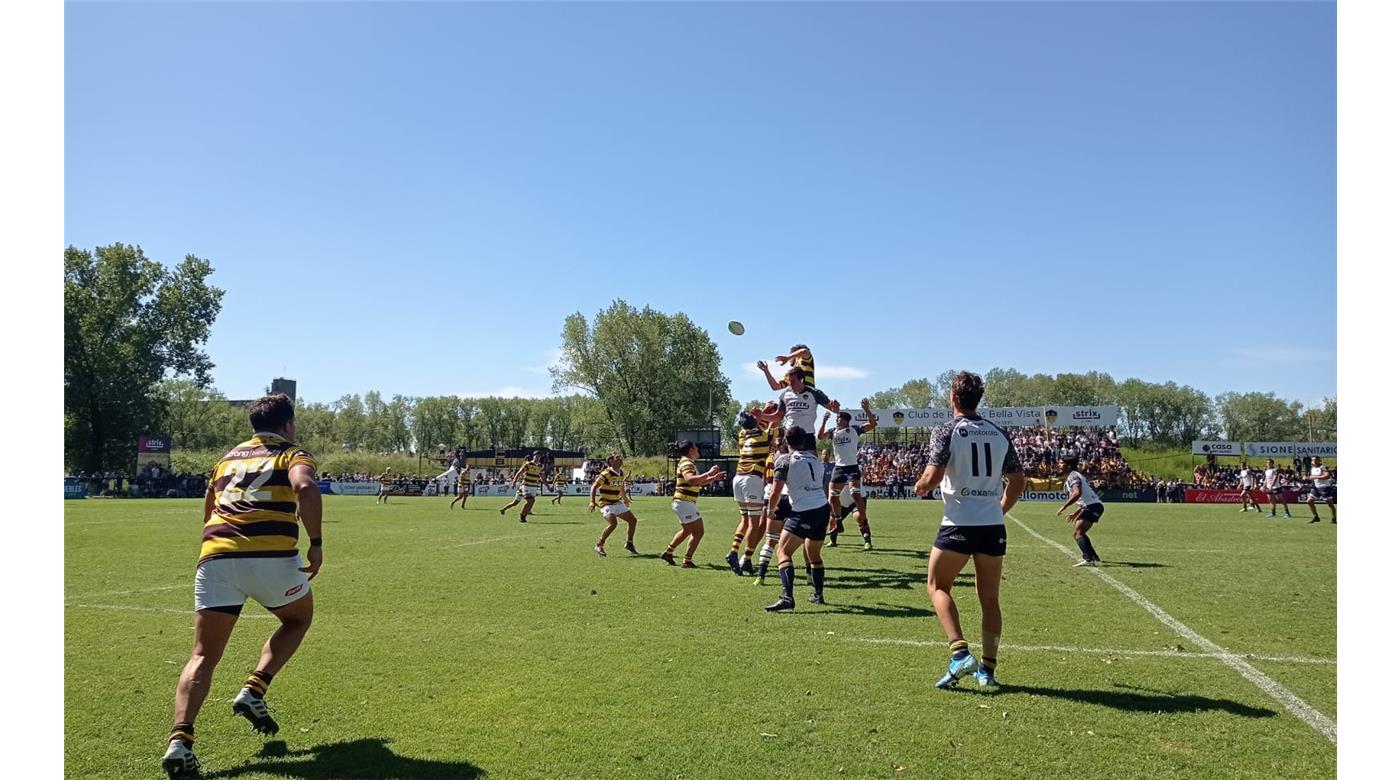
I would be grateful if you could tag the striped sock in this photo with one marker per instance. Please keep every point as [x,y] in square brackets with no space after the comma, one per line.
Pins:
[257,683]
[183,732]
[738,540]
[959,648]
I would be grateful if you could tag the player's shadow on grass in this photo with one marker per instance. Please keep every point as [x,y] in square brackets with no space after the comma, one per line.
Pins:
[923,556]
[358,759]
[873,610]
[1130,700]
[838,578]
[1134,564]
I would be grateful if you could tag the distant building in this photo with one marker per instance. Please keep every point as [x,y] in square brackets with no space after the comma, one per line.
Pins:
[279,385]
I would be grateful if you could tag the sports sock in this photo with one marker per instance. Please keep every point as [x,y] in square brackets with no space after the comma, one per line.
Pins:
[833,537]
[989,664]
[670,548]
[183,732]
[738,540]
[257,682]
[785,576]
[1084,547]
[866,536]
[818,577]
[959,648]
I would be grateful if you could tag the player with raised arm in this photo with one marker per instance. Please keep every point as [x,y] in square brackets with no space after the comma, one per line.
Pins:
[755,442]
[1323,489]
[385,484]
[528,478]
[798,476]
[1273,488]
[688,484]
[1247,498]
[800,357]
[257,493]
[464,489]
[609,495]
[797,404]
[968,458]
[845,443]
[1089,512]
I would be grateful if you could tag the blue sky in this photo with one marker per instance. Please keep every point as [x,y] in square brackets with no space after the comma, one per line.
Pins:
[410,198]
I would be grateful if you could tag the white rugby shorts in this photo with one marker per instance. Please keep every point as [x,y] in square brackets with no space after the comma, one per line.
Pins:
[748,488]
[613,510]
[228,582]
[527,492]
[686,511]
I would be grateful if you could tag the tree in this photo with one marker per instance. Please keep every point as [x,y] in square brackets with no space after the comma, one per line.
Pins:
[197,417]
[651,372]
[1259,417]
[128,322]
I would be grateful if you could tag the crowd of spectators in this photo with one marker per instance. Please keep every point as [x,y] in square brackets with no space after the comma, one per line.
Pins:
[152,483]
[1226,476]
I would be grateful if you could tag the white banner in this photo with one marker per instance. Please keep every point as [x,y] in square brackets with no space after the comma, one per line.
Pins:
[1005,416]
[1216,448]
[506,491]
[1289,449]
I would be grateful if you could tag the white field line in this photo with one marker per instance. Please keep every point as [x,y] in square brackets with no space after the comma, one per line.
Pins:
[1166,549]
[1290,700]
[127,592]
[492,539]
[187,612]
[1290,659]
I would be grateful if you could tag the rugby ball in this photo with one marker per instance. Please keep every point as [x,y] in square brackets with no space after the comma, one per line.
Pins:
[736,327]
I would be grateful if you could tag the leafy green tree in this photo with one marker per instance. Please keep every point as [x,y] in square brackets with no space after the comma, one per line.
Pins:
[1259,417]
[128,322]
[651,372]
[197,417]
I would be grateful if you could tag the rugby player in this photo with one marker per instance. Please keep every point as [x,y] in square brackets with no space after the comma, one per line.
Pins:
[256,494]
[755,442]
[1323,489]
[609,494]
[797,404]
[772,524]
[528,479]
[797,474]
[968,458]
[845,442]
[385,483]
[688,484]
[1247,498]
[800,357]
[1273,487]
[464,489]
[1089,512]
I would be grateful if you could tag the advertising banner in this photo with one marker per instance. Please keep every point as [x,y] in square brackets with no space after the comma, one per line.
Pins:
[1289,449]
[1227,496]
[1005,416]
[1216,448]
[73,489]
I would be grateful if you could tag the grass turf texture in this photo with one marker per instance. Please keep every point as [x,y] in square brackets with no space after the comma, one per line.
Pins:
[453,644]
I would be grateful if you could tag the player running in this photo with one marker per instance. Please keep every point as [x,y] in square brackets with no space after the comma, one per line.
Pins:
[800,357]
[1247,498]
[528,478]
[256,494]
[386,484]
[968,457]
[845,442]
[1089,512]
[1323,489]
[688,484]
[1273,488]
[609,494]
[464,489]
[755,443]
[797,475]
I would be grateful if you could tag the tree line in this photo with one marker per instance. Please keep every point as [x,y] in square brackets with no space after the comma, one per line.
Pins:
[627,379]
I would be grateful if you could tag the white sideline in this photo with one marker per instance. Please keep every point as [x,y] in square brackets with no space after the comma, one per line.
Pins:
[1289,659]
[1290,700]
[125,592]
[189,612]
[487,541]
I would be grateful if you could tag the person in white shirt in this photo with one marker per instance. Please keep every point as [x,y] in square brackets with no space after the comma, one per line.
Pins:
[969,458]
[797,404]
[1089,512]
[845,443]
[1323,489]
[1273,488]
[1247,498]
[798,475]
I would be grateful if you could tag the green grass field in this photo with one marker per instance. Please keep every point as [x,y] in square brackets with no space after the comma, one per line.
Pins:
[464,644]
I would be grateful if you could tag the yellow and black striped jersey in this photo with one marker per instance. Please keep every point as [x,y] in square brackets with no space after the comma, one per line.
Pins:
[754,446]
[610,485]
[768,464]
[684,492]
[255,507]
[464,479]
[809,370]
[531,475]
